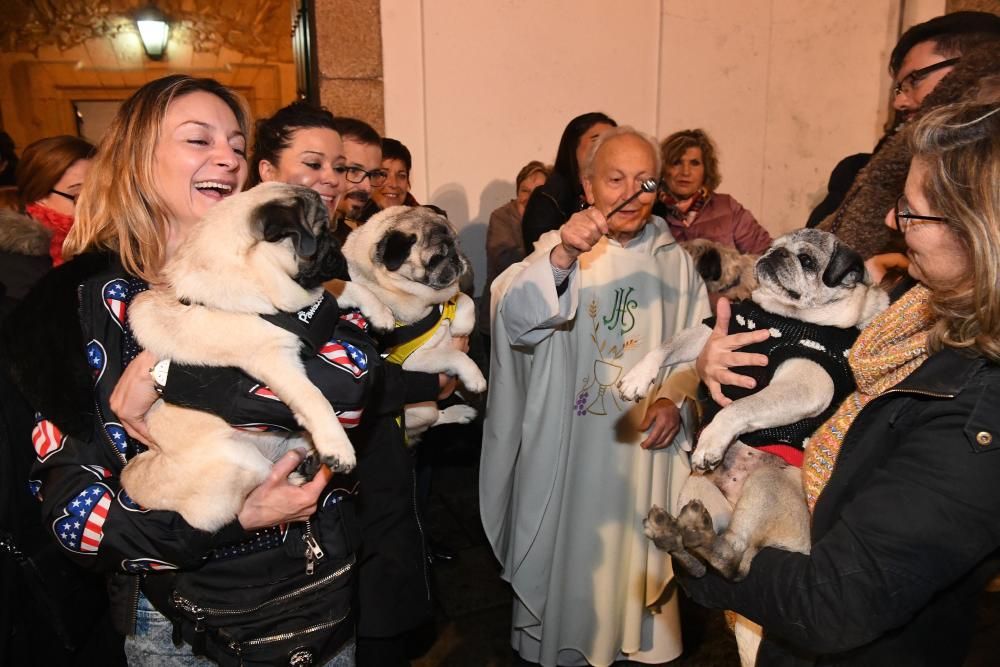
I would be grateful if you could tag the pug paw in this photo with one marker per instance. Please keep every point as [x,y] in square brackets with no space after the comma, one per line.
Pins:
[456,414]
[696,525]
[380,317]
[337,464]
[711,448]
[636,383]
[662,529]
[473,380]
[298,479]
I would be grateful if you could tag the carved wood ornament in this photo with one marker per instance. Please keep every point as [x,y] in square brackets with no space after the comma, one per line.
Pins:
[256,28]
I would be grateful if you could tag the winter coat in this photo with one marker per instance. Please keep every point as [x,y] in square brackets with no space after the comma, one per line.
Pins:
[550,205]
[905,535]
[859,221]
[24,256]
[725,221]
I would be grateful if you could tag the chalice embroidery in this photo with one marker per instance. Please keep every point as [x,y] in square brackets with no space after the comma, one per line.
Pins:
[607,370]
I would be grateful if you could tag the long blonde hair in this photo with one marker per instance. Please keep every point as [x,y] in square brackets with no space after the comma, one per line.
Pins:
[119,208]
[960,146]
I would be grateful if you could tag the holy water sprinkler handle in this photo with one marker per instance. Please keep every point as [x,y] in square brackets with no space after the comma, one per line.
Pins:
[647,186]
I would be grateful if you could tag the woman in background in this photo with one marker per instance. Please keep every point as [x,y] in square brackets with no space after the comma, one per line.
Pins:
[50,175]
[562,194]
[693,208]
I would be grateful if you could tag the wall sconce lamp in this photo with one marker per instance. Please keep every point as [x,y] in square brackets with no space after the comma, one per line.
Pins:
[154,30]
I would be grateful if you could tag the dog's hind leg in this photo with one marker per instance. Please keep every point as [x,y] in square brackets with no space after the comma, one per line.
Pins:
[665,533]
[682,348]
[196,469]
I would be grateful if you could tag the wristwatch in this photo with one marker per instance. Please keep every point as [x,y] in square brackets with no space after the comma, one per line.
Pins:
[159,373]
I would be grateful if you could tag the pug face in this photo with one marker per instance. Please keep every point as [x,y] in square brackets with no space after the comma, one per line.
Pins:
[807,270]
[409,250]
[263,250]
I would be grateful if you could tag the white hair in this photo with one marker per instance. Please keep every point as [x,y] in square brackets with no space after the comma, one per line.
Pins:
[588,163]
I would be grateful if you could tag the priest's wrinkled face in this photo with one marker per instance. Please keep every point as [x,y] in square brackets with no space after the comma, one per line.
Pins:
[619,167]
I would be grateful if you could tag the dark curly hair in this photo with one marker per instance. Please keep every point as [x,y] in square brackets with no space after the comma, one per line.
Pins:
[275,134]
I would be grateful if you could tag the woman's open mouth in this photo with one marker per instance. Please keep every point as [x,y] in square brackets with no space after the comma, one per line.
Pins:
[214,189]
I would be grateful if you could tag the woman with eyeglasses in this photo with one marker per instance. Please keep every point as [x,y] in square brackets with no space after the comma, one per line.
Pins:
[902,480]
[49,177]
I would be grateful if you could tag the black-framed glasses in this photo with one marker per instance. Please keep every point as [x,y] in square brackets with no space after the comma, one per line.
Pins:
[67,195]
[904,217]
[911,80]
[356,175]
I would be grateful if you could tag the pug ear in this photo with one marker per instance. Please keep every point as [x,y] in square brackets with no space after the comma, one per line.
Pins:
[846,267]
[279,221]
[393,249]
[709,265]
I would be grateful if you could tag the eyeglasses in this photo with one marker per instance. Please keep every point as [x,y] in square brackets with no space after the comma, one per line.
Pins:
[356,175]
[904,218]
[911,80]
[68,196]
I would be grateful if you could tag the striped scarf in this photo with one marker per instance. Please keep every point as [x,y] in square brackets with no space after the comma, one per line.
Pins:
[891,347]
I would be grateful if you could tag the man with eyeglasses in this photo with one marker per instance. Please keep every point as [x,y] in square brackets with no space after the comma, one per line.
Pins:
[936,62]
[362,170]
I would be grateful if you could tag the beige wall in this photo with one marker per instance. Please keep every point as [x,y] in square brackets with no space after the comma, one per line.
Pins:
[476,88]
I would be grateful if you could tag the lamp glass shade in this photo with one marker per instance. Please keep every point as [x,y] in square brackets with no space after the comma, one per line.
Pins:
[154,34]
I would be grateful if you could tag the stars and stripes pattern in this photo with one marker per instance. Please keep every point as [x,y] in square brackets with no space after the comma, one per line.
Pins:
[126,502]
[118,436]
[263,391]
[139,565]
[346,357]
[35,488]
[356,318]
[97,359]
[46,438]
[349,418]
[100,472]
[116,293]
[81,528]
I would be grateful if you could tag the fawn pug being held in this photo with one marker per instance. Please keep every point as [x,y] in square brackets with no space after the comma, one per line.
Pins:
[814,296]
[256,254]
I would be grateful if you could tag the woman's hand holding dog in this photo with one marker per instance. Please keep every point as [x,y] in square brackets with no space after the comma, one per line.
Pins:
[580,233]
[277,500]
[663,421]
[719,355]
[134,395]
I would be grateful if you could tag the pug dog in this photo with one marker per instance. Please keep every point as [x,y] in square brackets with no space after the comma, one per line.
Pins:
[814,295]
[263,251]
[725,270]
[409,258]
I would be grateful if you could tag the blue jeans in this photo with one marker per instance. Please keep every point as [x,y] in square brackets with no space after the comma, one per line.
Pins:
[152,645]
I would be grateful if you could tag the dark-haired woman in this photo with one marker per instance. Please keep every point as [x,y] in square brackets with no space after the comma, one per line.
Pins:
[552,203]
[299,144]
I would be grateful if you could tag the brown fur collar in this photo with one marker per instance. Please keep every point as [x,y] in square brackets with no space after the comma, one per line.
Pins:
[20,234]
[859,220]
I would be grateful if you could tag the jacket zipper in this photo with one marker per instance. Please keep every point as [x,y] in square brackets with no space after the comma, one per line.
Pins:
[918,392]
[201,613]
[237,646]
[420,528]
[106,437]
[314,552]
